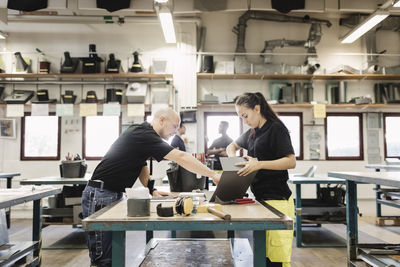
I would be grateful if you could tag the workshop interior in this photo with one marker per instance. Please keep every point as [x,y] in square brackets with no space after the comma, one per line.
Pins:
[78,75]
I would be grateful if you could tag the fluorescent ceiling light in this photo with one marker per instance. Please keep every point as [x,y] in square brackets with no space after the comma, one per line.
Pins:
[167,24]
[370,22]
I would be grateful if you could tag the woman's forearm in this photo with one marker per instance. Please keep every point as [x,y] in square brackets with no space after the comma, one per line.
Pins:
[285,163]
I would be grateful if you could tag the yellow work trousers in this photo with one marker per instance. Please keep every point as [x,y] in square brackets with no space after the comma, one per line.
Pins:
[279,242]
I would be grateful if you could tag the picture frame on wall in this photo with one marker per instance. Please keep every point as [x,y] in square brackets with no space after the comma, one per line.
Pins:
[7,128]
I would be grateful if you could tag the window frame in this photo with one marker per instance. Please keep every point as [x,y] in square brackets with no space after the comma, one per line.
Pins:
[220,113]
[84,137]
[360,131]
[384,115]
[22,151]
[300,115]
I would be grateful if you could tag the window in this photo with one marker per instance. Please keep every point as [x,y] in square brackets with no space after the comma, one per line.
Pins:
[212,121]
[99,133]
[40,137]
[391,124]
[294,123]
[344,139]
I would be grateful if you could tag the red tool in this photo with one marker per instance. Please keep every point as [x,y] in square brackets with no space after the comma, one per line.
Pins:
[244,200]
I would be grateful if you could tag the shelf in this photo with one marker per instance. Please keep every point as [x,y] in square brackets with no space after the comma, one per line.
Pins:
[79,78]
[85,76]
[212,76]
[362,106]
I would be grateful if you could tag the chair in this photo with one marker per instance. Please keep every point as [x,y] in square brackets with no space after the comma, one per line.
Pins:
[309,173]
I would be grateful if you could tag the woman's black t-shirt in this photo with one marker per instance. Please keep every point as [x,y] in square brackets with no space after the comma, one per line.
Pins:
[270,142]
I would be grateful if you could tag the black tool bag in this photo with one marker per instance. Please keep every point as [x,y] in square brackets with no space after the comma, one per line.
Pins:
[332,196]
[27,5]
[114,5]
[173,178]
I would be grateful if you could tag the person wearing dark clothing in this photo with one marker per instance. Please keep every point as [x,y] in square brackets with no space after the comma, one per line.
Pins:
[123,164]
[218,147]
[270,152]
[177,141]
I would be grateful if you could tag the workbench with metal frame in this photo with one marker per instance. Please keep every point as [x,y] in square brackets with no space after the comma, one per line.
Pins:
[255,217]
[12,197]
[9,176]
[299,181]
[379,200]
[59,212]
[355,250]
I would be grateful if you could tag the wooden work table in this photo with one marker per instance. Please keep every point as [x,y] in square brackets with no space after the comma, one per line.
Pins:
[255,217]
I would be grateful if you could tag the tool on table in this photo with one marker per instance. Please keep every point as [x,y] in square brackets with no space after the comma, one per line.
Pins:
[244,200]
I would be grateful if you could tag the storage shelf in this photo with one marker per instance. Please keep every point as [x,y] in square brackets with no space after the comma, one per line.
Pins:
[85,76]
[362,106]
[212,76]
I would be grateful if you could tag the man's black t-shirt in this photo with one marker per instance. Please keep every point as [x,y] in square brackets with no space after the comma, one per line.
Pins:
[220,142]
[122,164]
[177,142]
[270,142]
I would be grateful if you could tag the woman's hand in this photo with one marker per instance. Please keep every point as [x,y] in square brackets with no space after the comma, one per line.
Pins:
[249,166]
[157,193]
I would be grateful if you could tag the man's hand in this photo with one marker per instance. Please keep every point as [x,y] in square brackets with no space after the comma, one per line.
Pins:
[157,193]
[248,166]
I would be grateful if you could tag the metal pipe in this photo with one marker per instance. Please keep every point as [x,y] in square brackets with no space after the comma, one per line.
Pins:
[240,29]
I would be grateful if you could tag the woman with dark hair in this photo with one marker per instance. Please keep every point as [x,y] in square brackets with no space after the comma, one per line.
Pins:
[270,152]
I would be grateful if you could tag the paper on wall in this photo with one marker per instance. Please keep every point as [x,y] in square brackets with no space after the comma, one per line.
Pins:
[111,109]
[319,111]
[87,110]
[63,110]
[135,110]
[40,110]
[15,110]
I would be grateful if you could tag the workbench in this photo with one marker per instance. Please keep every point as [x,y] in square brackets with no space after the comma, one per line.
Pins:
[255,217]
[379,201]
[10,253]
[300,210]
[9,176]
[69,215]
[354,250]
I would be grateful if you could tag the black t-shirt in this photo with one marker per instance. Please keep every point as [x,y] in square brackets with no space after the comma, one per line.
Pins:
[177,142]
[271,142]
[122,164]
[220,142]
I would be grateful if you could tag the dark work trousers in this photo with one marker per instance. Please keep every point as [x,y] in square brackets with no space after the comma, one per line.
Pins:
[99,242]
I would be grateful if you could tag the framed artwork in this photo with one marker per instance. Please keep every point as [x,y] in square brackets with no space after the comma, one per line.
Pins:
[7,128]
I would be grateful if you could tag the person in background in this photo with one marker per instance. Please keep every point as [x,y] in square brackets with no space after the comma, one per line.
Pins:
[177,141]
[270,152]
[218,147]
[123,164]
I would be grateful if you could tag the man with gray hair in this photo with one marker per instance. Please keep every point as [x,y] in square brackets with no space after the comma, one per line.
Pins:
[124,162]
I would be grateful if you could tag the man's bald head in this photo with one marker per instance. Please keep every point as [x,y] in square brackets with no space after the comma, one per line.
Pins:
[166,113]
[166,122]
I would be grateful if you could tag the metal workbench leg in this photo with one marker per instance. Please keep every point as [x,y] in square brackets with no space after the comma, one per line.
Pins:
[351,219]
[378,205]
[37,229]
[378,196]
[259,248]
[299,240]
[149,236]
[8,212]
[118,248]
